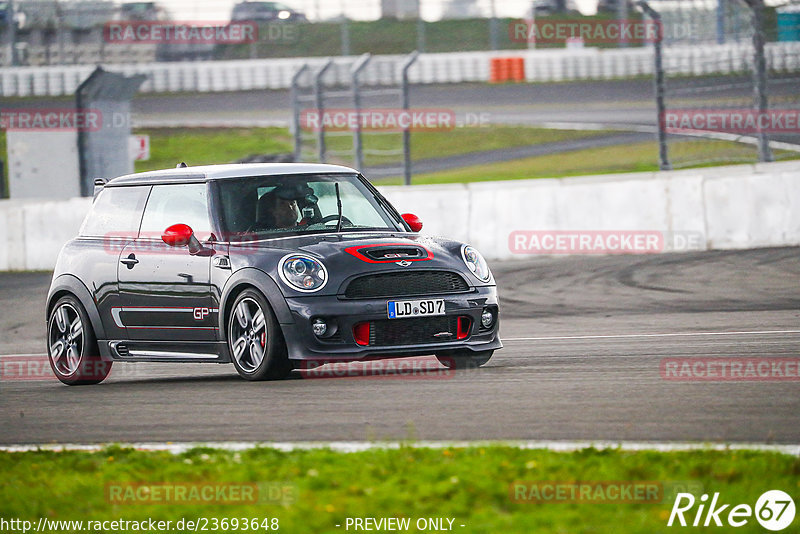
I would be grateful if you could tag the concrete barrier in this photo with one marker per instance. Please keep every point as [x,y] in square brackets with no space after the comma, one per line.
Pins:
[32,232]
[542,65]
[742,206]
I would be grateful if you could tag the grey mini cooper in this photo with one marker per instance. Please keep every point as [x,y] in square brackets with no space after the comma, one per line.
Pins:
[266,266]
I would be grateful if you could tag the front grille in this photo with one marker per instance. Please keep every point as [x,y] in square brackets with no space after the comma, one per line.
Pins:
[412,331]
[406,284]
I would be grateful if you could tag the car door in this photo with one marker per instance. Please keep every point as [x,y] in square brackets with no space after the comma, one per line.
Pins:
[165,290]
[112,224]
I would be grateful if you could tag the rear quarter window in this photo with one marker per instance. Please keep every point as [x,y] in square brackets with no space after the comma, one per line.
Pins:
[117,212]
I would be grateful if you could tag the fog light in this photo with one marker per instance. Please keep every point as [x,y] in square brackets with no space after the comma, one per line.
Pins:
[319,327]
[487,318]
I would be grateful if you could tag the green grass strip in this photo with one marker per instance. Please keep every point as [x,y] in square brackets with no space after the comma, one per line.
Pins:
[471,485]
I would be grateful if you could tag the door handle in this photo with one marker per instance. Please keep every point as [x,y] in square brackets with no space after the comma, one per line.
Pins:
[130,261]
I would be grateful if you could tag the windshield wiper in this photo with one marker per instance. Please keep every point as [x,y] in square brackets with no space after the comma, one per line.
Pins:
[338,207]
[393,213]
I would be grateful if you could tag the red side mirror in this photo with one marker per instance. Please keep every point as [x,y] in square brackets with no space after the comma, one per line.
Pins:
[177,235]
[412,221]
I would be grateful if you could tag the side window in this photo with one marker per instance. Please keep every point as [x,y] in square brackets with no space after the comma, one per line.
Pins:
[116,212]
[173,204]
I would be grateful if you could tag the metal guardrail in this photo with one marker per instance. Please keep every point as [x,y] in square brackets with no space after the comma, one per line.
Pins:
[456,67]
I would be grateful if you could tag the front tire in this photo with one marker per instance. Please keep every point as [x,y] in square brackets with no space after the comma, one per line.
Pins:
[256,344]
[72,346]
[464,359]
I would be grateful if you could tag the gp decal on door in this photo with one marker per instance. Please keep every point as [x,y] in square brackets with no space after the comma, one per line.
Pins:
[158,318]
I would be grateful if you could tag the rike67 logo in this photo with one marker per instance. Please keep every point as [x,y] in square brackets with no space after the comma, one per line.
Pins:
[774,510]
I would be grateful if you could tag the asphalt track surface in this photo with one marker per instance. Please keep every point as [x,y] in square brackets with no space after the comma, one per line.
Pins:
[584,340]
[624,103]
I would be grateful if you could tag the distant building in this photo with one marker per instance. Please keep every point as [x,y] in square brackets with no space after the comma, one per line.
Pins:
[400,9]
[51,14]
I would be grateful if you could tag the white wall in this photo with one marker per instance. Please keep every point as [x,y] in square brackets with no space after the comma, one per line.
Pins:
[43,164]
[740,206]
[453,67]
[33,231]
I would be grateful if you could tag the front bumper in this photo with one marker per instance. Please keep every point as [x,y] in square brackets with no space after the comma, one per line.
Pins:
[343,314]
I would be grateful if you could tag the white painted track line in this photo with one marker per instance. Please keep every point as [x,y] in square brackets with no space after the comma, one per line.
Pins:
[358,446]
[676,334]
[599,336]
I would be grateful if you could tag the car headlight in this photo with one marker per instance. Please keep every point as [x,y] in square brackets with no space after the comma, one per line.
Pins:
[475,263]
[302,273]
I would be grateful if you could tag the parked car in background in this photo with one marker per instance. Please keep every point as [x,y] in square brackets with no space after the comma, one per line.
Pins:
[265,12]
[613,6]
[143,11]
[554,7]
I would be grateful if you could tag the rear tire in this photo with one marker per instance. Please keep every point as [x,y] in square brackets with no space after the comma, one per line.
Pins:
[464,359]
[72,346]
[255,341]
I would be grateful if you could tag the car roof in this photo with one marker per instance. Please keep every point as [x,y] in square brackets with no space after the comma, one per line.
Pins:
[221,172]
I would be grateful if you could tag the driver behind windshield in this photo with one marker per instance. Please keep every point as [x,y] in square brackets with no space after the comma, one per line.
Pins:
[278,208]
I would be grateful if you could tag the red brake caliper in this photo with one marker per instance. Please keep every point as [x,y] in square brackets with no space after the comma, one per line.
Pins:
[263,339]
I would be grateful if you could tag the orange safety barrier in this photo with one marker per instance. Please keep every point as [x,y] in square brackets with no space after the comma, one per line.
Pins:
[506,69]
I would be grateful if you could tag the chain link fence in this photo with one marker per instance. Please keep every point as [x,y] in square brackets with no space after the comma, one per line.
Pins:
[740,106]
[341,115]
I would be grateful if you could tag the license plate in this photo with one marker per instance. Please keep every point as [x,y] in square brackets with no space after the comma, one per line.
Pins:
[400,309]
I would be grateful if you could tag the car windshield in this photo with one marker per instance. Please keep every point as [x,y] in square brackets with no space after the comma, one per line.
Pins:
[275,206]
[257,7]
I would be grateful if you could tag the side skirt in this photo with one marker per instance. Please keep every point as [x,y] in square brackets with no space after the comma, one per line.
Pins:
[159,351]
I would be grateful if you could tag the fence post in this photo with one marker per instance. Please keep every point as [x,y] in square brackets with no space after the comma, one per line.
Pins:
[663,155]
[493,27]
[420,32]
[11,27]
[405,104]
[355,72]
[295,90]
[319,101]
[622,15]
[760,76]
[345,36]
